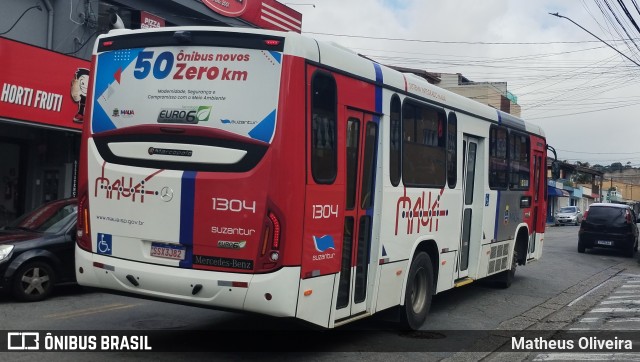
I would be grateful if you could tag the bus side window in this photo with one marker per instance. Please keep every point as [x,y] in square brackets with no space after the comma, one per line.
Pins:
[394,134]
[519,161]
[324,158]
[498,158]
[452,148]
[423,146]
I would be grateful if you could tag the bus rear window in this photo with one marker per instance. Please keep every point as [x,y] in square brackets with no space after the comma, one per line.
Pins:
[186,85]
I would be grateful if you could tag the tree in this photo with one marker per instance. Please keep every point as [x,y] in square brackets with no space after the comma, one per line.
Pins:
[582,164]
[616,166]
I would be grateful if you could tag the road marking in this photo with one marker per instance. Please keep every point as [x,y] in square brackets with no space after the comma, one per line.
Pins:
[87,311]
[589,320]
[587,293]
[624,320]
[630,286]
[630,275]
[615,310]
[628,301]
[621,297]
[587,357]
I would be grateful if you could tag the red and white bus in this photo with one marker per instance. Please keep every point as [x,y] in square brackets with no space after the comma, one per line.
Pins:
[269,172]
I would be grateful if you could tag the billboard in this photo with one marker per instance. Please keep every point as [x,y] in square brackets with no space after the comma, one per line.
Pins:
[41,86]
[267,14]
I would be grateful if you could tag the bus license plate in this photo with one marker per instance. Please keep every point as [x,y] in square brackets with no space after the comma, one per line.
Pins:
[605,242]
[167,251]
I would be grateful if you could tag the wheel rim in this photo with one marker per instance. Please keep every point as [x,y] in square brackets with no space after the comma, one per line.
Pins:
[418,291]
[35,281]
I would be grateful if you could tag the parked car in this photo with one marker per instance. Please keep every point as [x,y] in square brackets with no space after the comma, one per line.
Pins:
[609,226]
[37,251]
[568,215]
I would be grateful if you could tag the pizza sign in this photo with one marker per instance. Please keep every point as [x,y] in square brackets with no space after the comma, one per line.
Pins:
[230,8]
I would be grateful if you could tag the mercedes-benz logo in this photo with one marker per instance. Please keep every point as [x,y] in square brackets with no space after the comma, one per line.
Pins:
[166,194]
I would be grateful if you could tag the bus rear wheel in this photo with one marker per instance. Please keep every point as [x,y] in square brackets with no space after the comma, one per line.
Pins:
[418,293]
[505,278]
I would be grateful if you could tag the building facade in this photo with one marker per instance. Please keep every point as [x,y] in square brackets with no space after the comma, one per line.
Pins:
[494,94]
[45,48]
[576,186]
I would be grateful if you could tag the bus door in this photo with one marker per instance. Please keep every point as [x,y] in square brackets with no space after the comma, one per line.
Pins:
[359,156]
[538,205]
[472,189]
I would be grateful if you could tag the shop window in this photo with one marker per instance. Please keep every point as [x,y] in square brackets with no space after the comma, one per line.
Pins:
[50,185]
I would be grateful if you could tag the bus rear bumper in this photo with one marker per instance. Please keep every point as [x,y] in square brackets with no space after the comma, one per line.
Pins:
[274,294]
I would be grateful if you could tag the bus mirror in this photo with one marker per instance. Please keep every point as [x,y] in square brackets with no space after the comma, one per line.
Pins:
[555,170]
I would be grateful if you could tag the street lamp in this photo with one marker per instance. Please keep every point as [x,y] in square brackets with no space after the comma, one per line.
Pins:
[595,36]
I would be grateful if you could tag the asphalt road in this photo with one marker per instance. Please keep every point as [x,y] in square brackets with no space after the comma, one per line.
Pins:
[540,290]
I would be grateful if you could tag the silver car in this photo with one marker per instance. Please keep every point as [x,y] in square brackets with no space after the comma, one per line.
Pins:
[568,215]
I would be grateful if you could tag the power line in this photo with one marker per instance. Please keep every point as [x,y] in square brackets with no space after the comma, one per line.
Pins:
[601,153]
[450,41]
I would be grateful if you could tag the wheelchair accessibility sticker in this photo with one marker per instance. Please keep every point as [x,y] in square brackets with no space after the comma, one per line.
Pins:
[104,244]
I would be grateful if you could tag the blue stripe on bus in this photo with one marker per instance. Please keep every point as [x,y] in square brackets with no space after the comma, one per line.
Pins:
[379,80]
[187,200]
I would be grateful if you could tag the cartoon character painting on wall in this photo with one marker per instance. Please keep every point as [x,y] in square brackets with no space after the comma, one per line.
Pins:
[79,86]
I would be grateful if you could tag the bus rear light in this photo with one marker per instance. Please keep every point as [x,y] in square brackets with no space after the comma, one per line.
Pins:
[275,256]
[272,42]
[103,266]
[107,43]
[265,240]
[83,234]
[276,230]
[225,283]
[269,256]
[240,284]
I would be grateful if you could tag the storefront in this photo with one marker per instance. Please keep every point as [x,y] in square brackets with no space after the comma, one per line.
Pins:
[42,95]
[557,197]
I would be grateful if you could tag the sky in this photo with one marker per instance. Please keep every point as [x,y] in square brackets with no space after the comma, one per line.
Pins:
[583,93]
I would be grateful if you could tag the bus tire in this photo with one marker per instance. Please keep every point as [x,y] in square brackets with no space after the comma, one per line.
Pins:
[505,279]
[418,293]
